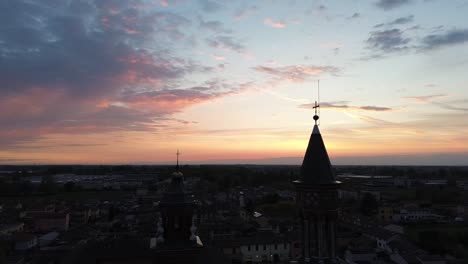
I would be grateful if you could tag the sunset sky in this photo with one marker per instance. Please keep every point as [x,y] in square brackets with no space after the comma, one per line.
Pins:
[132,81]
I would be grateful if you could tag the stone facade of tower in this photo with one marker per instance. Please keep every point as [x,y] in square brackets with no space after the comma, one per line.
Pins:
[317,203]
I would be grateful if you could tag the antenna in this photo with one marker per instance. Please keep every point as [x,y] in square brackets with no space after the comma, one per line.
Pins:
[318,91]
[318,98]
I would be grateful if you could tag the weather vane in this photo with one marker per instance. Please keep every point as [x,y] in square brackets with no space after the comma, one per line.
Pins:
[317,104]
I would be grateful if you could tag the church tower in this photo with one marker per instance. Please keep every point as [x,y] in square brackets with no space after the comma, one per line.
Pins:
[176,228]
[317,201]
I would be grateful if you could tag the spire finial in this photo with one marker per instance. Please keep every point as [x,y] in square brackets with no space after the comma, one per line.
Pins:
[317,103]
[178,153]
[316,117]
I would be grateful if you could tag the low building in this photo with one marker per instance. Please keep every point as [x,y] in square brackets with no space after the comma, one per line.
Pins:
[385,214]
[344,194]
[417,214]
[259,247]
[141,191]
[267,251]
[431,259]
[48,238]
[398,229]
[9,229]
[375,193]
[264,246]
[462,184]
[24,241]
[47,221]
[80,215]
[403,182]
[360,256]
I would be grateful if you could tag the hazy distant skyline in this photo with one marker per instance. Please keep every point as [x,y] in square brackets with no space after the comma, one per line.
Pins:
[130,81]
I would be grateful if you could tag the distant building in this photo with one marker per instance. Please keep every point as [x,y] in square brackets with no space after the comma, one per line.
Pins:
[403,182]
[431,259]
[463,184]
[264,250]
[9,229]
[48,221]
[348,194]
[257,248]
[385,214]
[414,214]
[24,241]
[80,215]
[436,183]
[48,238]
[374,193]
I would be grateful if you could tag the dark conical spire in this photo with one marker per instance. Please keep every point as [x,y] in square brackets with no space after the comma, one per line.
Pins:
[316,167]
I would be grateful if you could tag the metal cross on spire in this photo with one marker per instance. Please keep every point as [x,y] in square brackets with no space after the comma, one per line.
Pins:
[317,103]
[316,117]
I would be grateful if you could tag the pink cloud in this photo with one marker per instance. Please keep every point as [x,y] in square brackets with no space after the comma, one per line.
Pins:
[425,98]
[95,92]
[297,73]
[342,105]
[218,57]
[296,21]
[32,103]
[131,31]
[174,100]
[274,23]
